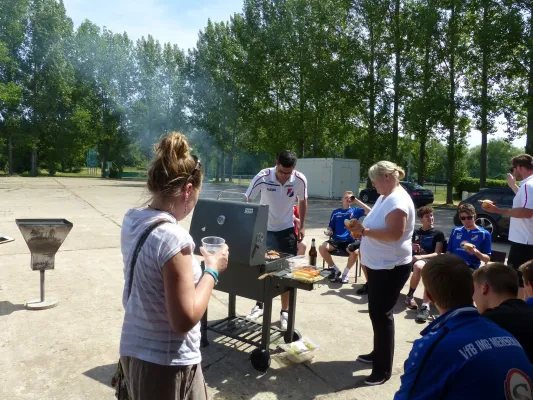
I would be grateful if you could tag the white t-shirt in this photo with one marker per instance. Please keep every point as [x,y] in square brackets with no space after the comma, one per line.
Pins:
[521,229]
[146,331]
[279,198]
[379,254]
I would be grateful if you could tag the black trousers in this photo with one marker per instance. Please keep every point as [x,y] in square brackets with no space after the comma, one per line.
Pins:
[518,255]
[384,288]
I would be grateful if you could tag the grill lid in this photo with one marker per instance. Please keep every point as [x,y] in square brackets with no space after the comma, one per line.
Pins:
[242,225]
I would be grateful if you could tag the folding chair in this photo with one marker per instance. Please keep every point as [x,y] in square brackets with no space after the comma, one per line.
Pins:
[498,256]
[345,254]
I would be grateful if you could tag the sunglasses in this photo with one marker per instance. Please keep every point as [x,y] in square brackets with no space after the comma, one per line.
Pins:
[469,218]
[197,167]
[284,172]
[512,169]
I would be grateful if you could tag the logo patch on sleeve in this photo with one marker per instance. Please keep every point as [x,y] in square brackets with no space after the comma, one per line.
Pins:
[518,385]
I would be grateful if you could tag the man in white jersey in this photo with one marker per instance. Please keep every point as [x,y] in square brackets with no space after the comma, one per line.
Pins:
[521,227]
[280,187]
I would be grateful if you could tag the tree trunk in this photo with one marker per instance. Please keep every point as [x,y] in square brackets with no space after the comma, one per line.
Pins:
[451,138]
[372,101]
[104,165]
[425,114]
[232,154]
[529,140]
[484,99]
[10,153]
[34,161]
[397,80]
[205,161]
[302,110]
[217,175]
[223,166]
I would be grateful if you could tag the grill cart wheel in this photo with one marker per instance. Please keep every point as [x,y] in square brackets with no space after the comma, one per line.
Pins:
[260,360]
[295,337]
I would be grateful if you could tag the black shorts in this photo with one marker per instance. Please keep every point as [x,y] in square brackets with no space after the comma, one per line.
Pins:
[345,246]
[284,241]
[518,255]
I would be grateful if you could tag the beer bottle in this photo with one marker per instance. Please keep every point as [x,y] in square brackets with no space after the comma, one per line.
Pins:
[313,254]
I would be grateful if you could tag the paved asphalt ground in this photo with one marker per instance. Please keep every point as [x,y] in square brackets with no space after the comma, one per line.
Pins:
[70,352]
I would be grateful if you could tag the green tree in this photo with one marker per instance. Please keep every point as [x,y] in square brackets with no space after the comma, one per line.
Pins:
[12,28]
[499,154]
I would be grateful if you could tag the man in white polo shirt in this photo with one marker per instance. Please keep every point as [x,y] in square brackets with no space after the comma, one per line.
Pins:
[521,228]
[280,186]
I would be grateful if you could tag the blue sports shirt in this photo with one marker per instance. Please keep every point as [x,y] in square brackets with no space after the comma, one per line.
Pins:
[478,237]
[336,222]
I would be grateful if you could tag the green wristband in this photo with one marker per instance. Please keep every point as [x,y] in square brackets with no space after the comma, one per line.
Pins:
[213,273]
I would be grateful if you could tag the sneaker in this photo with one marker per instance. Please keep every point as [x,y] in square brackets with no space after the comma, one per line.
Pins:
[423,315]
[256,312]
[374,380]
[335,275]
[366,358]
[410,303]
[345,279]
[284,320]
[362,290]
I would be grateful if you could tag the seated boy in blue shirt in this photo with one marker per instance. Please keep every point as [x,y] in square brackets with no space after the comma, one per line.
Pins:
[461,354]
[470,242]
[526,270]
[340,237]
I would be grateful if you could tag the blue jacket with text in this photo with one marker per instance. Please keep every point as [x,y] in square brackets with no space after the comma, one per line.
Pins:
[462,355]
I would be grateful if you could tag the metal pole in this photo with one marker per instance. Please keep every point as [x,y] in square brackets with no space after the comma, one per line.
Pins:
[42,285]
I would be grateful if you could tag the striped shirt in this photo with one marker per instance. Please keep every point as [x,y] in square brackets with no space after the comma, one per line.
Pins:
[521,229]
[146,331]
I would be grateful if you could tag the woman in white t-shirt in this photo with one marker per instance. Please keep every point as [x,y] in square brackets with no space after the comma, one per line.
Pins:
[168,295]
[386,251]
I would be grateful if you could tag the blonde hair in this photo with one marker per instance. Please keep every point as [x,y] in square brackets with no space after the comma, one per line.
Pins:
[385,168]
[173,167]
[348,192]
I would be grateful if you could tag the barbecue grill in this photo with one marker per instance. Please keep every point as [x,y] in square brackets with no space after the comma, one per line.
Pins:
[244,227]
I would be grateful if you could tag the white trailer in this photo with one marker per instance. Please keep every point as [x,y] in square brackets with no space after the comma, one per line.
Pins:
[329,178]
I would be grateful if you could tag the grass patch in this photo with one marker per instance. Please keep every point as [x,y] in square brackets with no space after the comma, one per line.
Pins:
[244,182]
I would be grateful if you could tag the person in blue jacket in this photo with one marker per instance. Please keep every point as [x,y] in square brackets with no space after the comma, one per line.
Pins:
[339,235]
[470,242]
[461,354]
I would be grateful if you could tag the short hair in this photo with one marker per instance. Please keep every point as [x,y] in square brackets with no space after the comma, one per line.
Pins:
[385,168]
[502,278]
[523,160]
[287,158]
[348,192]
[527,271]
[423,211]
[467,208]
[448,281]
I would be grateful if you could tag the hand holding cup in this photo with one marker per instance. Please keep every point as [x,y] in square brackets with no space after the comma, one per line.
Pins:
[217,261]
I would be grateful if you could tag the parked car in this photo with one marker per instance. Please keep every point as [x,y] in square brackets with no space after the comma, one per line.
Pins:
[420,195]
[496,224]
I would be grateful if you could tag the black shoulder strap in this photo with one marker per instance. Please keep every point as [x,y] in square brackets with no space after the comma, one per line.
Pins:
[138,247]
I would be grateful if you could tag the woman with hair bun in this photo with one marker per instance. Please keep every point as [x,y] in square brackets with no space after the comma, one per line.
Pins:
[165,293]
[387,253]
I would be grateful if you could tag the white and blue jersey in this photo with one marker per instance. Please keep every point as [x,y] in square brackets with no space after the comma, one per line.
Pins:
[336,222]
[464,356]
[479,237]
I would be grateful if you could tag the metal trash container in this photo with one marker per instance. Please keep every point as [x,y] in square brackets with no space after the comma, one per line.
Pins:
[44,237]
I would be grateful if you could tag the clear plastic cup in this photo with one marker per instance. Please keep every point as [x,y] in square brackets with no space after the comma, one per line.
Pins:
[213,244]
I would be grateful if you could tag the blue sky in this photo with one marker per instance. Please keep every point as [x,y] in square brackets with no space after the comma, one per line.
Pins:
[175,21]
